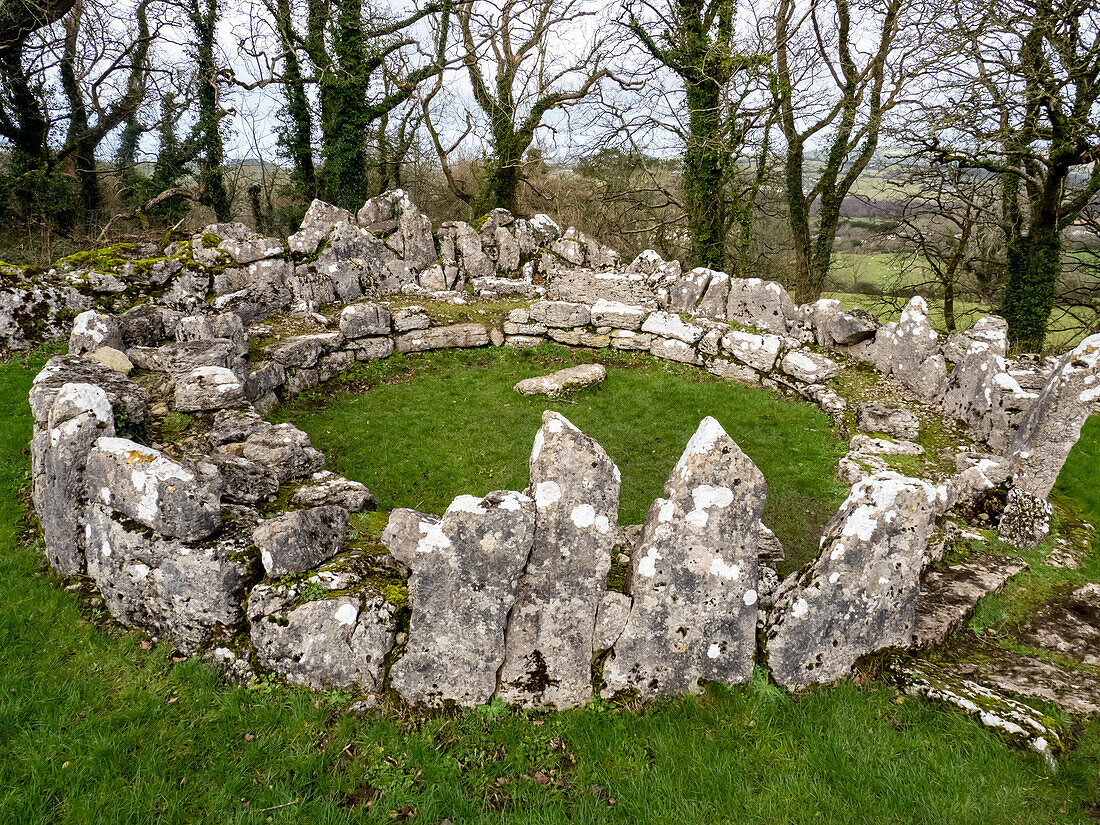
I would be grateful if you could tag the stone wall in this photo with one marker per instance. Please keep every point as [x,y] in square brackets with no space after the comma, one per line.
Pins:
[235,542]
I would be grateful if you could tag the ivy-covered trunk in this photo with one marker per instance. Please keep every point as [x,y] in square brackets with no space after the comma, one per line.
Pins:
[211,151]
[504,169]
[297,140]
[1032,265]
[706,158]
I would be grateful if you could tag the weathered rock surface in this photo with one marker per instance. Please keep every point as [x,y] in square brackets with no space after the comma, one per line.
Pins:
[875,417]
[246,482]
[126,397]
[338,641]
[296,541]
[762,304]
[59,453]
[1074,691]
[92,330]
[809,367]
[1025,520]
[860,594]
[456,335]
[948,595]
[465,572]
[208,389]
[363,320]
[694,575]
[174,499]
[1070,627]
[187,592]
[550,637]
[1052,424]
[1017,721]
[328,488]
[284,449]
[563,382]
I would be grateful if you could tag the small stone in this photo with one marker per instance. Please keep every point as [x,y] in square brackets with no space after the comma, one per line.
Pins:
[563,382]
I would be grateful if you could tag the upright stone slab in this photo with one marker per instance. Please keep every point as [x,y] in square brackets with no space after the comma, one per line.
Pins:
[860,594]
[1052,424]
[549,641]
[465,571]
[81,414]
[694,575]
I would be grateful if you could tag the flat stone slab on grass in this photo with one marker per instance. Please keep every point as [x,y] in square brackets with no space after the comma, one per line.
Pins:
[1074,691]
[1071,627]
[948,596]
[563,382]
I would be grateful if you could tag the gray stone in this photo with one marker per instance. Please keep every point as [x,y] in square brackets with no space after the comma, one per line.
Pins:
[182,358]
[301,539]
[948,595]
[672,350]
[859,596]
[465,572]
[668,325]
[694,575]
[337,641]
[363,320]
[285,449]
[297,351]
[317,225]
[1052,425]
[92,330]
[560,314]
[266,377]
[235,425]
[611,617]
[142,326]
[1071,627]
[408,231]
[617,315]
[410,318]
[875,417]
[809,367]
[186,592]
[758,351]
[113,358]
[328,488]
[246,482]
[208,389]
[549,642]
[975,393]
[832,326]
[81,414]
[563,382]
[883,446]
[456,335]
[625,339]
[1025,521]
[369,349]
[175,499]
[761,304]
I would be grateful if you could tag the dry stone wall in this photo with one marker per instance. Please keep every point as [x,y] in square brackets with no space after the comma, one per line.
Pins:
[236,542]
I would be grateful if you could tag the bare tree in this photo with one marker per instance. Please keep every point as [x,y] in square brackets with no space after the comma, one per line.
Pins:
[525,59]
[840,67]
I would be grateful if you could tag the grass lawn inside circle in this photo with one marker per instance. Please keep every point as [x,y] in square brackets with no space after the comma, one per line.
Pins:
[421,430]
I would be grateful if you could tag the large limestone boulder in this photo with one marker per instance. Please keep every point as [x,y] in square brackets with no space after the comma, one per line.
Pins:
[859,596]
[189,592]
[92,330]
[59,453]
[328,488]
[809,367]
[454,336]
[339,640]
[1052,424]
[693,575]
[550,637]
[876,417]
[317,225]
[407,230]
[208,389]
[465,572]
[563,382]
[761,304]
[285,450]
[909,350]
[174,499]
[832,326]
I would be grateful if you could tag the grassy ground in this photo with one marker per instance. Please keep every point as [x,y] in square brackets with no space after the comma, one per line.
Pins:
[94,728]
[460,428]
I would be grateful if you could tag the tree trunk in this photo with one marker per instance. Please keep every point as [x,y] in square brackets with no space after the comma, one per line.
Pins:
[211,150]
[705,158]
[1033,262]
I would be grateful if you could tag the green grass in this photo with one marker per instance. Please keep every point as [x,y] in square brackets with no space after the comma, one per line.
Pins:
[95,729]
[460,428]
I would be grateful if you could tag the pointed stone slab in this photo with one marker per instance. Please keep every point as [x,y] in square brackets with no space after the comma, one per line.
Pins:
[860,594]
[550,638]
[694,575]
[465,570]
[1052,424]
